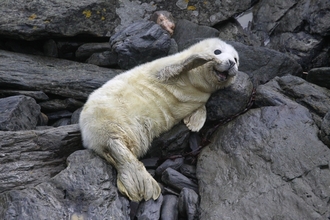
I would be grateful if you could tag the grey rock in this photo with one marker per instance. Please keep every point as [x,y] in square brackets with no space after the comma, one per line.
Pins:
[42,120]
[319,76]
[178,181]
[175,164]
[50,48]
[139,43]
[170,208]
[31,157]
[61,104]
[186,33]
[37,20]
[52,76]
[104,59]
[188,204]
[84,190]
[62,122]
[75,116]
[262,166]
[188,170]
[150,210]
[300,46]
[230,101]
[37,95]
[58,115]
[172,142]
[263,64]
[18,113]
[292,90]
[325,129]
[86,50]
[150,163]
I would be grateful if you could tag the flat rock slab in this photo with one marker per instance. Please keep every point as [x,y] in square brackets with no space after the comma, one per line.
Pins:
[30,157]
[266,164]
[84,190]
[18,113]
[50,75]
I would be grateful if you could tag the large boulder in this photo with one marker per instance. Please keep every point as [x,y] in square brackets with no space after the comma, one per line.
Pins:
[266,164]
[52,76]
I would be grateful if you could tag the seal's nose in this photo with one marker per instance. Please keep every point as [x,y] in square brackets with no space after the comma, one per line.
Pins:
[231,64]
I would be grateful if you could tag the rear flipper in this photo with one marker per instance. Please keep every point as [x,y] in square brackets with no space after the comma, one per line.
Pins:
[133,180]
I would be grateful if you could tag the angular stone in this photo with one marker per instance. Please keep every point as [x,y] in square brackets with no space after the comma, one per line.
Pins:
[104,59]
[257,157]
[188,170]
[263,64]
[62,122]
[149,210]
[37,95]
[75,116]
[86,50]
[60,104]
[188,204]
[175,164]
[52,76]
[139,43]
[170,208]
[178,181]
[319,76]
[50,48]
[230,101]
[58,115]
[325,129]
[30,157]
[84,190]
[18,113]
[186,33]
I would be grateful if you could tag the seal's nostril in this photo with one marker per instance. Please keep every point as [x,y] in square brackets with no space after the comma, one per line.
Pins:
[231,63]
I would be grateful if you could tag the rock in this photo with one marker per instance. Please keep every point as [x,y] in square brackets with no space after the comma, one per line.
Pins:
[62,122]
[263,64]
[172,142]
[52,76]
[164,19]
[175,164]
[263,160]
[188,170]
[37,95]
[44,19]
[86,50]
[293,90]
[150,210]
[31,157]
[104,59]
[186,33]
[300,46]
[319,76]
[139,43]
[84,190]
[230,101]
[150,163]
[325,129]
[18,113]
[58,115]
[75,116]
[169,208]
[188,204]
[178,181]
[50,48]
[60,104]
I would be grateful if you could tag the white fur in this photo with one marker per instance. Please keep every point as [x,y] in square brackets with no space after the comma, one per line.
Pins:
[120,119]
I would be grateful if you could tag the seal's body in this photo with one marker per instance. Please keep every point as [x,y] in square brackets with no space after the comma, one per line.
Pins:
[120,119]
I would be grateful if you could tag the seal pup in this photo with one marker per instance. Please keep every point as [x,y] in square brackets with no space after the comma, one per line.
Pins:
[121,118]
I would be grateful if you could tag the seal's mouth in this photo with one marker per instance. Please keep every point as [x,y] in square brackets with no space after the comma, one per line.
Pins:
[222,76]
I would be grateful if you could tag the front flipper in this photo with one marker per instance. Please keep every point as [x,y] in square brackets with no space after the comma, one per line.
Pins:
[196,120]
[190,63]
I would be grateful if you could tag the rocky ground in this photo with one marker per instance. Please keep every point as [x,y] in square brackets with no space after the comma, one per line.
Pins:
[263,153]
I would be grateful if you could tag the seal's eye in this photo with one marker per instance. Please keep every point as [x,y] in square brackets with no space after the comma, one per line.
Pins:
[235,60]
[217,52]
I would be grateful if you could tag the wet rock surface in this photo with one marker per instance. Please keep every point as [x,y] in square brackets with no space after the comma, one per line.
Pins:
[263,153]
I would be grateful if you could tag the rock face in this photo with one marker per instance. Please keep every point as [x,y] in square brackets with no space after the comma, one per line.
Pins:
[267,159]
[263,153]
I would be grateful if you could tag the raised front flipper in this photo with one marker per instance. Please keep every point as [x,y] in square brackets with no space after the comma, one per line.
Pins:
[190,63]
[196,120]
